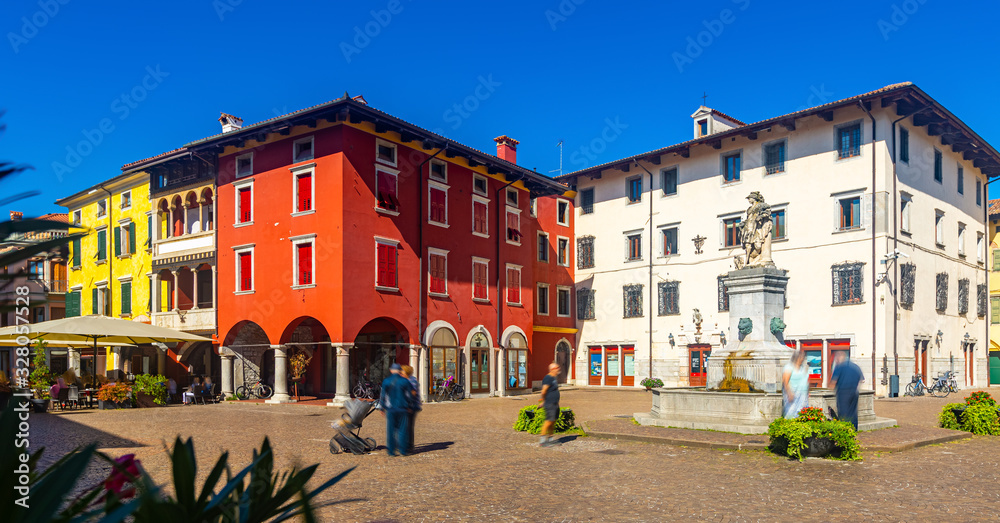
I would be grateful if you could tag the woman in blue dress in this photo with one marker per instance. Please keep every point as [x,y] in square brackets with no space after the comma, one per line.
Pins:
[795,385]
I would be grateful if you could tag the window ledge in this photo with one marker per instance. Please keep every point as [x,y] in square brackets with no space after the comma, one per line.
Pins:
[514,243]
[562,264]
[627,260]
[633,202]
[779,240]
[481,300]
[775,173]
[908,234]
[381,288]
[511,304]
[562,315]
[100,262]
[961,255]
[939,245]
[75,268]
[844,231]
[242,292]
[480,234]
[303,213]
[670,195]
[438,224]
[438,295]
[307,286]
[731,183]
[237,225]
[562,224]
[671,255]
[542,261]
[847,304]
[388,212]
[124,256]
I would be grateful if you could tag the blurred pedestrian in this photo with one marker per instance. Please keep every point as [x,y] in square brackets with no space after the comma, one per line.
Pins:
[795,385]
[395,402]
[188,395]
[846,382]
[550,402]
[416,405]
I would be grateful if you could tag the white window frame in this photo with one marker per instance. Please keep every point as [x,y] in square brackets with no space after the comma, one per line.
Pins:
[775,208]
[939,227]
[431,184]
[309,168]
[569,301]
[296,241]
[980,244]
[562,218]
[626,235]
[240,249]
[961,239]
[722,230]
[538,255]
[905,212]
[486,183]
[121,198]
[663,175]
[532,206]
[507,212]
[237,186]
[564,263]
[430,170]
[102,299]
[846,195]
[100,203]
[395,152]
[395,177]
[394,243]
[485,201]
[486,262]
[538,299]
[122,231]
[517,198]
[722,167]
[506,275]
[77,217]
[431,251]
[312,149]
[236,164]
[663,240]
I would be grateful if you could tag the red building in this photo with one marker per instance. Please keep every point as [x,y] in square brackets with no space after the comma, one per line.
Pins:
[360,240]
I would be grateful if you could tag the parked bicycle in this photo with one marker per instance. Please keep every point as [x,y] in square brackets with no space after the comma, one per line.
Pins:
[940,388]
[447,389]
[256,389]
[365,389]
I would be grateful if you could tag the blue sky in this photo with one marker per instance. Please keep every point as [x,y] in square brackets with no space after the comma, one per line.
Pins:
[87,89]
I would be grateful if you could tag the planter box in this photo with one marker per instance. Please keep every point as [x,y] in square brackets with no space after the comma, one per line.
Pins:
[40,406]
[818,447]
[111,405]
[144,400]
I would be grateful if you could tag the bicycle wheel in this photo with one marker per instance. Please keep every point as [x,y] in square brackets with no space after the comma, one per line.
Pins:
[911,390]
[242,392]
[264,392]
[934,390]
[334,446]
[457,393]
[371,444]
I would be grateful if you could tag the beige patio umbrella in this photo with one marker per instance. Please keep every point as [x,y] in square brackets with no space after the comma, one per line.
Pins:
[110,331]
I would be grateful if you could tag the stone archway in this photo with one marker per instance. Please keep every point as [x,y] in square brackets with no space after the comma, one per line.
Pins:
[380,343]
[247,344]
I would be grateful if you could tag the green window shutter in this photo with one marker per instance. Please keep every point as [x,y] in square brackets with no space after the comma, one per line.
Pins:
[996,259]
[127,298]
[995,309]
[107,301]
[118,241]
[93,301]
[149,231]
[131,238]
[102,245]
[73,304]
[76,252]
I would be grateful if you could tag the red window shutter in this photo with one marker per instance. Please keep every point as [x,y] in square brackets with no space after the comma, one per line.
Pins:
[382,264]
[246,205]
[390,266]
[438,213]
[386,186]
[513,286]
[305,264]
[305,192]
[513,227]
[438,273]
[246,271]
[479,281]
[479,218]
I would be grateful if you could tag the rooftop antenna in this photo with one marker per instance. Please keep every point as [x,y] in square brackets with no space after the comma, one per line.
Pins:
[559,170]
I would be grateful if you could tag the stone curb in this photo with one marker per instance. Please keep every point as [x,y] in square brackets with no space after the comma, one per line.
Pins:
[759,446]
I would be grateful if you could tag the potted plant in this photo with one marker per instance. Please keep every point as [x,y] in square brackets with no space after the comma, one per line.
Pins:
[150,390]
[650,383]
[114,396]
[978,415]
[299,362]
[810,434]
[40,379]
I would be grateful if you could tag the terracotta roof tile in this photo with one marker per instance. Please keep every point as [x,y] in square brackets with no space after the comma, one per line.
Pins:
[161,155]
[726,116]
[994,207]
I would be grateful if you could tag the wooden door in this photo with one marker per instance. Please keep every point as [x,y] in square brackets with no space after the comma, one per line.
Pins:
[923,362]
[596,366]
[698,357]
[628,366]
[612,365]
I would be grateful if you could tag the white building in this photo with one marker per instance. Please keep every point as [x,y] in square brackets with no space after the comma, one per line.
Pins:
[664,221]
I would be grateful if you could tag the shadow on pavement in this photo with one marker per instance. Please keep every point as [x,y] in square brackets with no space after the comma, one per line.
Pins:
[431,447]
[566,439]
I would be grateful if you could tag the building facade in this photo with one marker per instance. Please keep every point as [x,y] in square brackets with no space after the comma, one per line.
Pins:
[361,240]
[878,207]
[993,231]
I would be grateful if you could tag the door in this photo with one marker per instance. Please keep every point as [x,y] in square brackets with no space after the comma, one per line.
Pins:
[596,366]
[698,359]
[813,350]
[628,366]
[612,365]
[994,368]
[563,360]
[480,367]
[970,367]
[923,361]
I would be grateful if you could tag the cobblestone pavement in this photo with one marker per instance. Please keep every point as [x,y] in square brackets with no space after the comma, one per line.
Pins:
[472,466]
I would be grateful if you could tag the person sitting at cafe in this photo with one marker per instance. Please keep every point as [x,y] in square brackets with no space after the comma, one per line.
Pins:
[207,386]
[188,395]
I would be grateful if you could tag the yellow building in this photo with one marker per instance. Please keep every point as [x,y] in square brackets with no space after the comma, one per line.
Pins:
[109,268]
[993,230]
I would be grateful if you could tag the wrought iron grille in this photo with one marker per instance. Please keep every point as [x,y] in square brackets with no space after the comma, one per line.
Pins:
[848,283]
[585,304]
[941,296]
[981,300]
[723,295]
[963,296]
[669,292]
[774,158]
[907,284]
[585,252]
[633,300]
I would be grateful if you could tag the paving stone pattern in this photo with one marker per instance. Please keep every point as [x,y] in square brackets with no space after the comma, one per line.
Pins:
[471,466]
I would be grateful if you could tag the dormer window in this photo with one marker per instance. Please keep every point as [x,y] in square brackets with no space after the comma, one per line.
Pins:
[703,127]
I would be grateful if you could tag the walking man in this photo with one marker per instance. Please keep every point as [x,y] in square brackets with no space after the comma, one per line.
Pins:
[550,402]
[396,405]
[846,380]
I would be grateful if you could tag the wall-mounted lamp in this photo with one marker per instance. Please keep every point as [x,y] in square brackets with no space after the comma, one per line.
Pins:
[671,338]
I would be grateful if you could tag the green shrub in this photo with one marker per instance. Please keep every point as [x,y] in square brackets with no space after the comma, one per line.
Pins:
[654,383]
[947,419]
[981,419]
[154,385]
[788,437]
[530,419]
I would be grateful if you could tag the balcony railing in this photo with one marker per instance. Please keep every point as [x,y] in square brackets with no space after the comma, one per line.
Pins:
[55,285]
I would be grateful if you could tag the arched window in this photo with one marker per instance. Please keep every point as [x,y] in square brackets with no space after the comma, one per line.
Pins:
[444,354]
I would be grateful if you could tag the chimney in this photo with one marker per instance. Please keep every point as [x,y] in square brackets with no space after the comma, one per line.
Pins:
[230,122]
[15,216]
[506,148]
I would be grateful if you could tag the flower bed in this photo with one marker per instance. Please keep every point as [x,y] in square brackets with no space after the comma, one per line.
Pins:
[978,415]
[530,419]
[810,434]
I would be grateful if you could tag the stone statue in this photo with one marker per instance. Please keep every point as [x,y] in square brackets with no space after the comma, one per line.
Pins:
[755,234]
[696,318]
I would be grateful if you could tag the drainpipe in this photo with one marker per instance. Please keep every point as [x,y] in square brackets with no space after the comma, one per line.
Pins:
[874,260]
[651,251]
[420,254]
[111,273]
[501,301]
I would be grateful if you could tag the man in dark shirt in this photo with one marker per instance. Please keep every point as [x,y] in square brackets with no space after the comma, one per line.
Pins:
[846,379]
[550,402]
[396,405]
